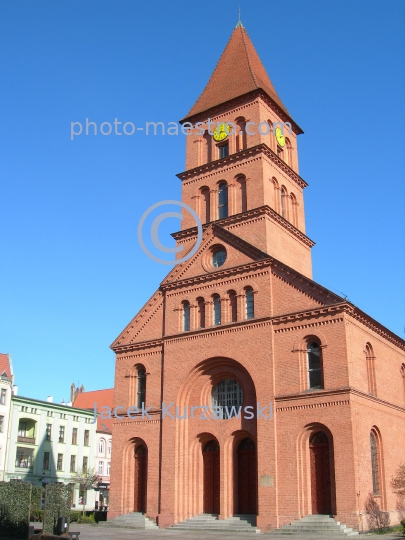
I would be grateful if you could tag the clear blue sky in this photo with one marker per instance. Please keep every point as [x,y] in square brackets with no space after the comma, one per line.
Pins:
[72,272]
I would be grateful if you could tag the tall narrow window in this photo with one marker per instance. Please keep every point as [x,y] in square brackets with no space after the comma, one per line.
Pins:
[109,448]
[375,463]
[59,463]
[85,463]
[241,134]
[205,205]
[223,150]
[315,375]
[201,312]
[141,393]
[1,423]
[72,463]
[108,468]
[3,394]
[86,437]
[249,303]
[233,306]
[294,205]
[370,360]
[222,201]
[100,468]
[48,432]
[45,464]
[61,434]
[101,447]
[283,203]
[217,308]
[186,316]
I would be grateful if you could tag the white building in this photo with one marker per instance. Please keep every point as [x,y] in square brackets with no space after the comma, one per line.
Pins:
[6,389]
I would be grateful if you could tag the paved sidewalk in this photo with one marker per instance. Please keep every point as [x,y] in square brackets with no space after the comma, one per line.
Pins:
[88,532]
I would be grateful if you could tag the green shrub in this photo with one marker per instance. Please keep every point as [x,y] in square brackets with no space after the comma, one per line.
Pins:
[36,514]
[86,519]
[403,527]
[74,515]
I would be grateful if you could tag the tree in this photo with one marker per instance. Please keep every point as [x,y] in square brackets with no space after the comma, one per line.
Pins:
[398,482]
[86,478]
[376,519]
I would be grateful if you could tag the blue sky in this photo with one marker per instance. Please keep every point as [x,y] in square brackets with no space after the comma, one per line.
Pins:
[72,272]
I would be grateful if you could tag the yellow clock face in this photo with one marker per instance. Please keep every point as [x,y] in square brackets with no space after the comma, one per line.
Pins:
[221,132]
[280,137]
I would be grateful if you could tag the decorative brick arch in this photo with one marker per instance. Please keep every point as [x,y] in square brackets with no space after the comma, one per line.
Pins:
[300,348]
[128,473]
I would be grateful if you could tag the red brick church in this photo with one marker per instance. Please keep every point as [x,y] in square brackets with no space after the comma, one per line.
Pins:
[241,323]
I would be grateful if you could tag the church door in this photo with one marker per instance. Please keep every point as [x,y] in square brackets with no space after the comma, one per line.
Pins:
[320,474]
[211,478]
[247,495]
[140,479]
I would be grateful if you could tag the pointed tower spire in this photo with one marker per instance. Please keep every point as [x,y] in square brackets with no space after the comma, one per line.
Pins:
[238,72]
[239,25]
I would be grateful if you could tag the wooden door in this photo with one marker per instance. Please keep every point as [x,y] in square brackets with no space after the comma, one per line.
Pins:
[320,474]
[211,478]
[140,479]
[247,490]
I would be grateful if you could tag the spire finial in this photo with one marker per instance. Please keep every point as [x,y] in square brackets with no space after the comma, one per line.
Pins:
[239,25]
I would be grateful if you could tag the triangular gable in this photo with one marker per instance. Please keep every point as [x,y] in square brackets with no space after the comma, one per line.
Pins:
[239,252]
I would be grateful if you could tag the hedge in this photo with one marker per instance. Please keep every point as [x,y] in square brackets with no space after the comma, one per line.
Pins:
[15,500]
[57,504]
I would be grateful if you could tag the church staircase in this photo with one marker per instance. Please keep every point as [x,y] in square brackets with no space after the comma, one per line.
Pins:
[134,520]
[322,525]
[243,523]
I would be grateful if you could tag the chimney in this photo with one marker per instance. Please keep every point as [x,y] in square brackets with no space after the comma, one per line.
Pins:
[49,399]
[15,390]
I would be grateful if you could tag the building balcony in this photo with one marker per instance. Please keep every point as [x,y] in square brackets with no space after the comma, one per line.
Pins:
[26,440]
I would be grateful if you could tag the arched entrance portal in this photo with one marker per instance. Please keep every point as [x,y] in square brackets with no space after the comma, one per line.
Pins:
[247,491]
[321,489]
[211,478]
[140,478]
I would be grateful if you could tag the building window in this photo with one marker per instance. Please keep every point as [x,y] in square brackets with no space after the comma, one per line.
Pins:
[228,396]
[109,448]
[186,316]
[218,258]
[101,446]
[74,435]
[223,150]
[314,358]
[233,306]
[141,393]
[222,201]
[1,423]
[205,205]
[283,202]
[201,312]
[85,463]
[3,394]
[370,360]
[375,463]
[108,468]
[249,303]
[59,463]
[22,429]
[86,437]
[217,309]
[45,463]
[48,432]
[61,434]
[403,378]
[100,468]
[72,463]
[24,458]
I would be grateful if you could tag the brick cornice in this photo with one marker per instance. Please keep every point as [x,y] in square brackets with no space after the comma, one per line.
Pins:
[348,391]
[260,149]
[245,218]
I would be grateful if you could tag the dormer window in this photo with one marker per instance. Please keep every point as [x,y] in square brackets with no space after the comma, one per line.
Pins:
[223,150]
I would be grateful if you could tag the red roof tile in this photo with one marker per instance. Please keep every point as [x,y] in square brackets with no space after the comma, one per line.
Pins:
[86,400]
[238,71]
[5,365]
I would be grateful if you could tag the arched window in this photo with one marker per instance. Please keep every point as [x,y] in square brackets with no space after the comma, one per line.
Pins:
[101,446]
[288,152]
[217,308]
[205,205]
[370,360]
[109,447]
[218,258]
[222,201]
[241,180]
[141,393]
[276,195]
[315,372]
[375,462]
[294,205]
[240,134]
[228,396]
[233,306]
[201,312]
[186,316]
[283,202]
[208,147]
[249,303]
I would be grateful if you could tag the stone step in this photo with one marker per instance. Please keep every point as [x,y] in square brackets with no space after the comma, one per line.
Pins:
[210,522]
[317,524]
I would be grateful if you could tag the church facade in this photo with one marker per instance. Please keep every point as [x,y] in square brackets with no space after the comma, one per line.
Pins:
[281,399]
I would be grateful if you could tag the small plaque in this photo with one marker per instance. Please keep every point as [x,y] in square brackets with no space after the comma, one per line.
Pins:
[267,481]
